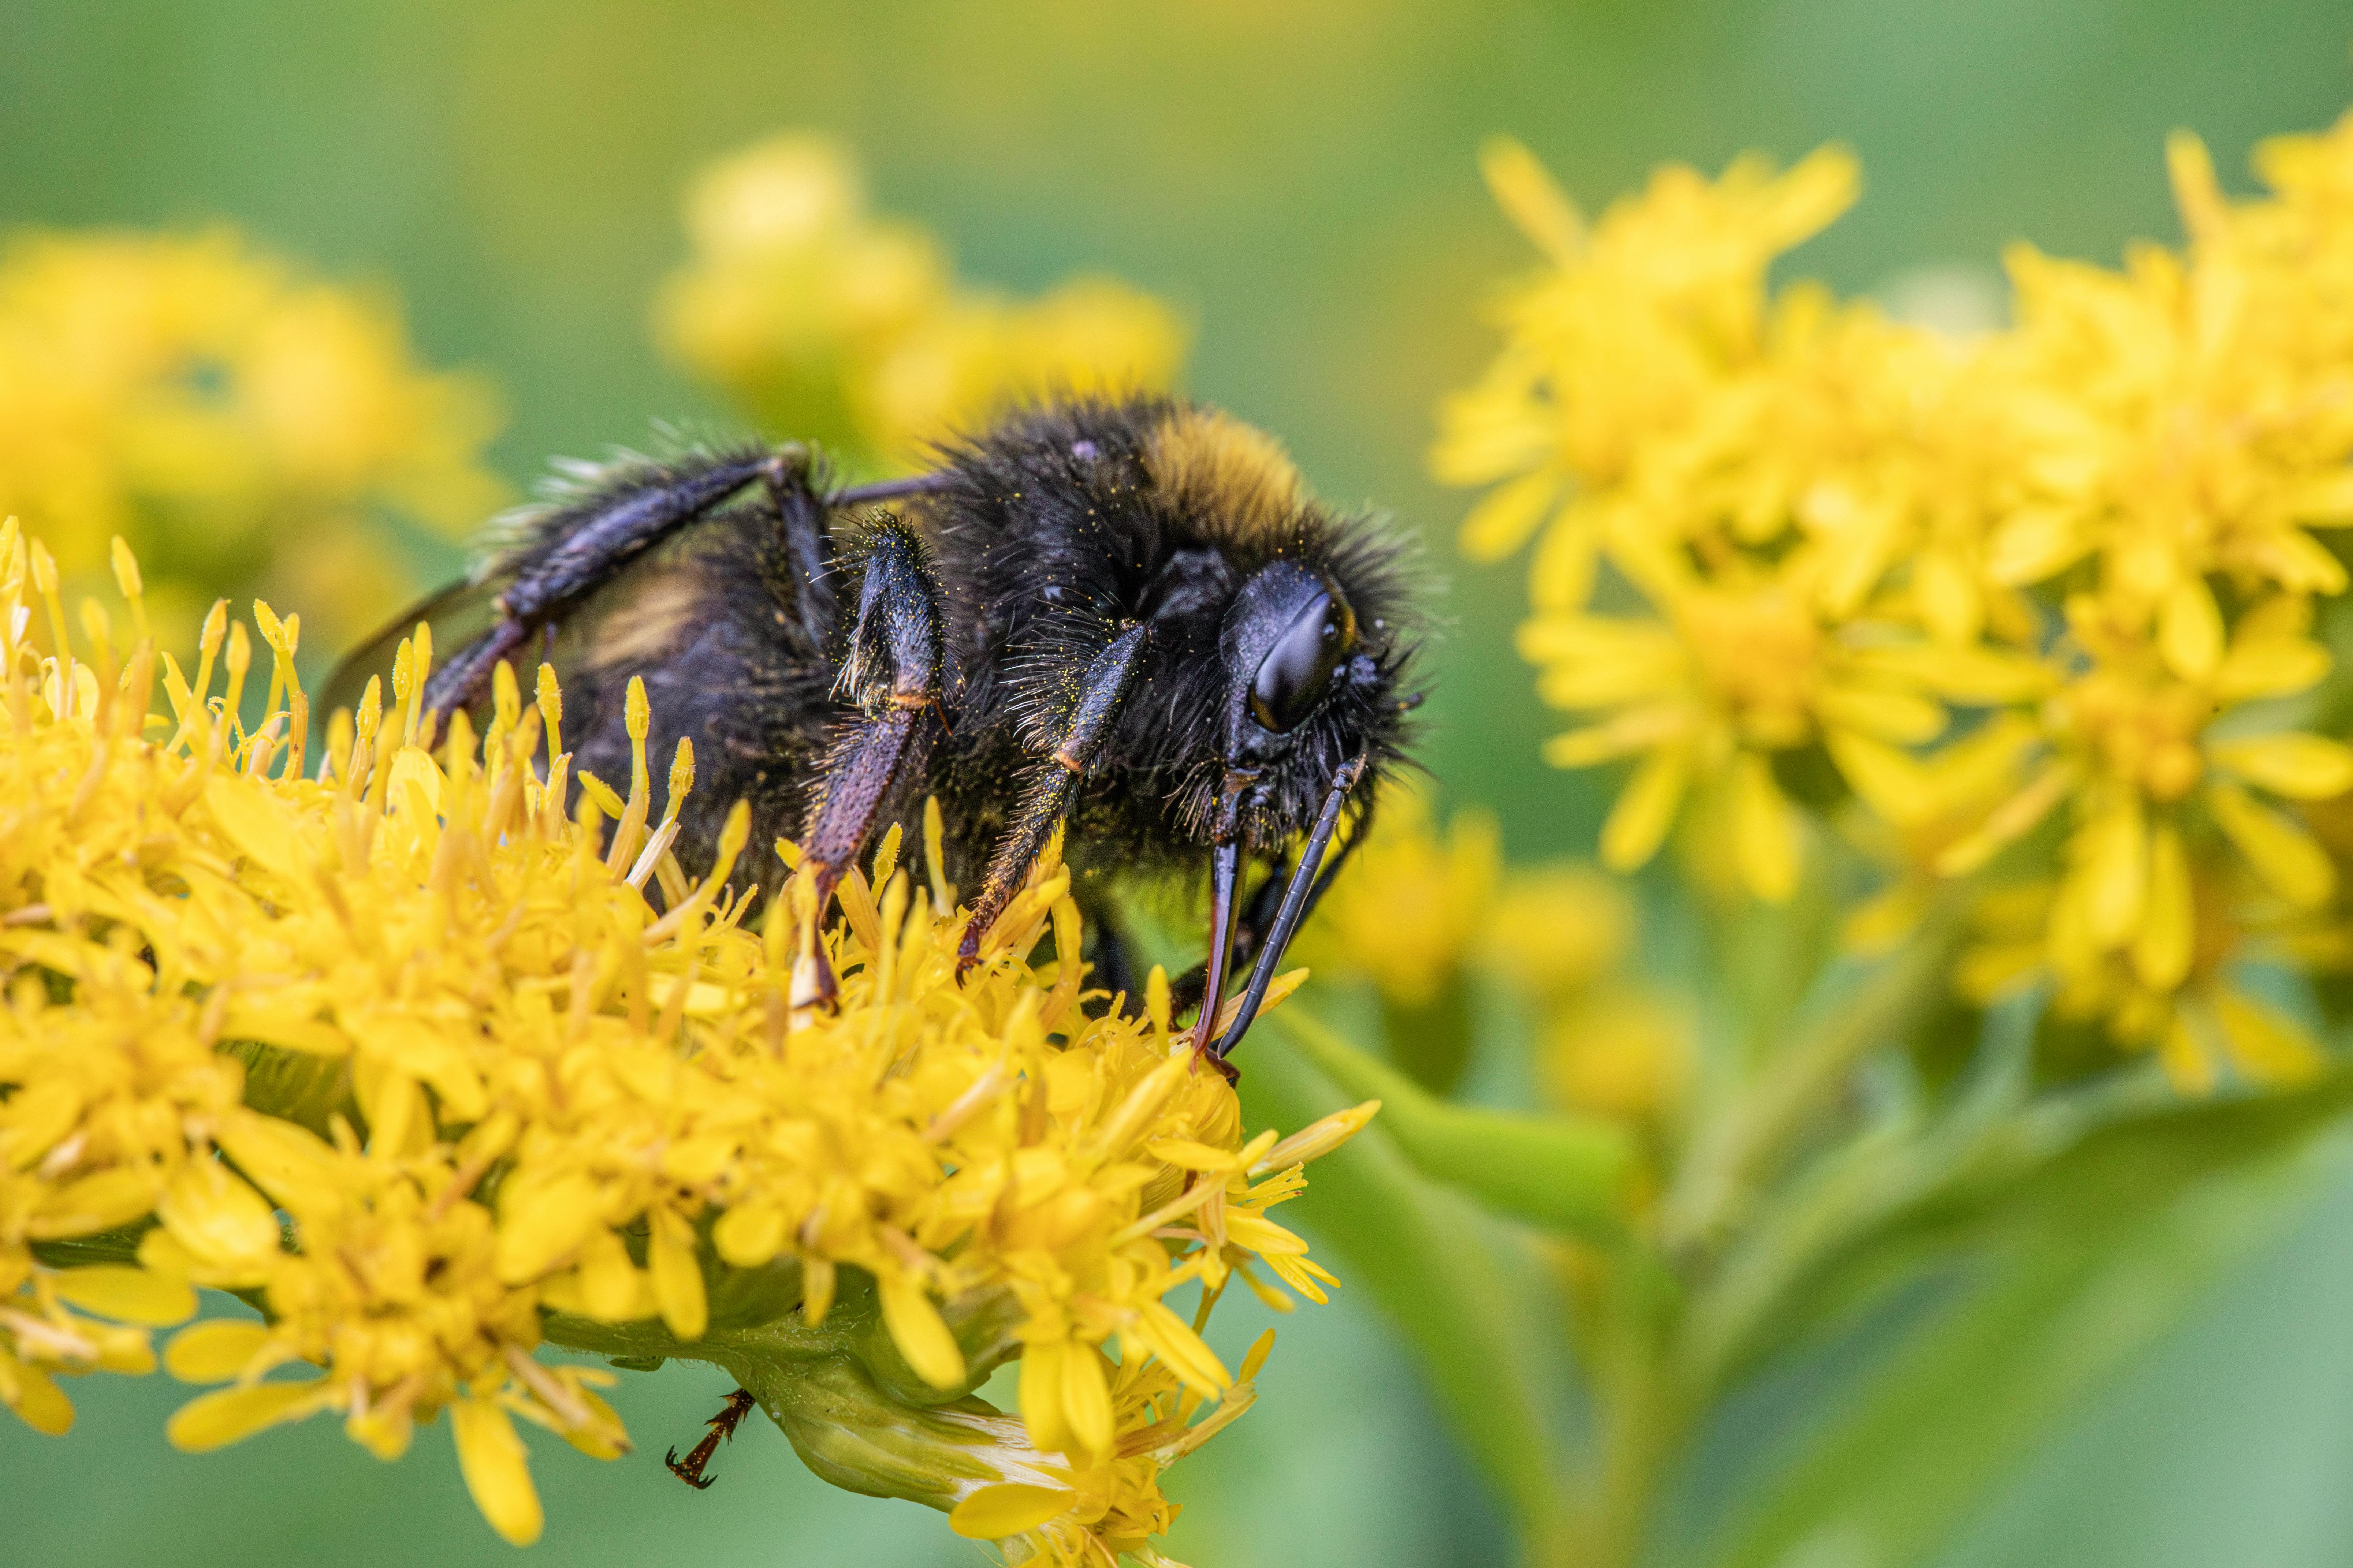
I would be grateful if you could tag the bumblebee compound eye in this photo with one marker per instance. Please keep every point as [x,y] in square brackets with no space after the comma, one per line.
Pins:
[1298,669]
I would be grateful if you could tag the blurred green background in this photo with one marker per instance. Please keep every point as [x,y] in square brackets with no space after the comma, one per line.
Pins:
[1299,178]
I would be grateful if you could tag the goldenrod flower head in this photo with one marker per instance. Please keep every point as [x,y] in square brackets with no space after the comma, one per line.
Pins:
[827,321]
[402,998]
[233,417]
[2089,532]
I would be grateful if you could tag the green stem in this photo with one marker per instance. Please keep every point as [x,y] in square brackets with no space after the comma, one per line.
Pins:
[1743,1148]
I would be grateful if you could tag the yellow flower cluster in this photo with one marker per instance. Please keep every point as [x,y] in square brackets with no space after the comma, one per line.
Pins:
[2085,536]
[1419,909]
[494,1084]
[825,321]
[236,420]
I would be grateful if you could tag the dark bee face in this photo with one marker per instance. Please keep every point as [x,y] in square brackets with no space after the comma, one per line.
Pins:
[1297,670]
[1288,636]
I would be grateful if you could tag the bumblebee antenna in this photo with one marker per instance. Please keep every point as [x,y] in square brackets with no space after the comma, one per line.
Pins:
[1296,903]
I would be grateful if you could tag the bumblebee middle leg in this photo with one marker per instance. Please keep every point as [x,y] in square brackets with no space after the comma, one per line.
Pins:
[1053,785]
[895,674]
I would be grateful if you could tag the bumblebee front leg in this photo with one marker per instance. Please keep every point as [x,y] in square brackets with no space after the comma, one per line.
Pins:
[894,674]
[1053,785]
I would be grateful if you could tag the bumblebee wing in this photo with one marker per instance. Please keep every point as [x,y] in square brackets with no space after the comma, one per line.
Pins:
[458,614]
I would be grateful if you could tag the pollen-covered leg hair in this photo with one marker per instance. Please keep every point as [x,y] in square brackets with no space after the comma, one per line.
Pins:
[1053,785]
[563,552]
[895,670]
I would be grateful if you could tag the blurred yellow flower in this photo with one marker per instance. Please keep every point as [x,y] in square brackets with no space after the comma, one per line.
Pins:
[1618,1051]
[824,321]
[1411,903]
[2092,524]
[1558,929]
[239,422]
[405,1000]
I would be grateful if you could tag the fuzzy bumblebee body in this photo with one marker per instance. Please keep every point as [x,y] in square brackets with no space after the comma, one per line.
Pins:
[1127,620]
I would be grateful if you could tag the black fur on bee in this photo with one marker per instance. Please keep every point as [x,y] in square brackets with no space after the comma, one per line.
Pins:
[1128,618]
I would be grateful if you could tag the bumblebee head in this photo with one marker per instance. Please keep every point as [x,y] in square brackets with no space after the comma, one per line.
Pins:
[1313,643]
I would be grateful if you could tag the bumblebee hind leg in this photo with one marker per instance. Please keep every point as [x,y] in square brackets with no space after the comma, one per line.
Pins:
[567,552]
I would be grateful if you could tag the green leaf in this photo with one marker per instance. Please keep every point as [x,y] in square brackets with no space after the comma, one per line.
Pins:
[2056,1172]
[1567,1174]
[1438,1267]
[2107,1244]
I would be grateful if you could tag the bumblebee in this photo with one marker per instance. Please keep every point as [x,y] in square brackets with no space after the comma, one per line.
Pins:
[1125,620]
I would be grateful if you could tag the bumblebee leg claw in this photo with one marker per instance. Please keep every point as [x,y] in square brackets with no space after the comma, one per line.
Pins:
[722,1429]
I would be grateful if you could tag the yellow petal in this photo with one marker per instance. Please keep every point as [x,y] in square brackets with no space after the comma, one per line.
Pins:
[1637,730]
[1894,716]
[920,1333]
[1645,810]
[133,1295]
[1560,576]
[1086,1399]
[749,1234]
[212,1421]
[1950,601]
[215,1349]
[1536,205]
[2300,766]
[1976,676]
[541,1223]
[2034,544]
[2008,823]
[2114,846]
[2186,1064]
[2161,949]
[1316,1140]
[612,1288]
[605,1437]
[292,1163]
[1765,832]
[2258,668]
[36,1398]
[497,1469]
[2189,629]
[225,1222]
[2268,1047]
[1008,1508]
[678,1276]
[2282,853]
[1187,1155]
[1159,1331]
[1255,1357]
[1041,1396]
[1887,780]
[1502,522]
[95,1202]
